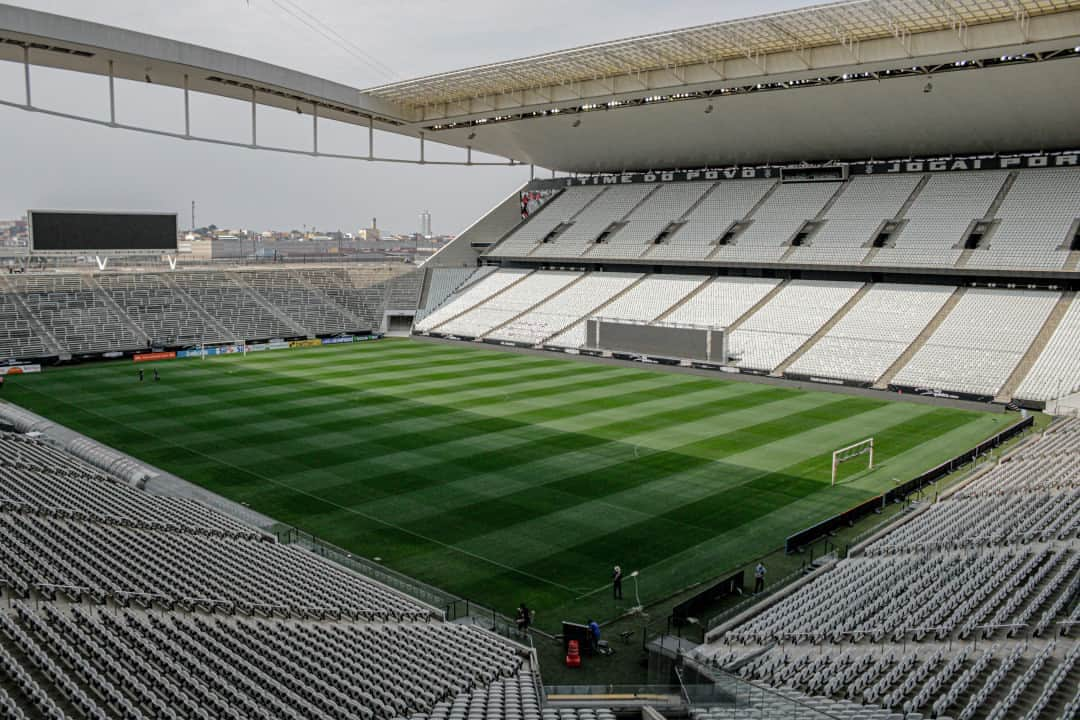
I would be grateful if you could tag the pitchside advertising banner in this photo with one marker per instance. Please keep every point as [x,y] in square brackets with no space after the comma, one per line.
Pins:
[19,369]
[213,350]
[210,351]
[885,167]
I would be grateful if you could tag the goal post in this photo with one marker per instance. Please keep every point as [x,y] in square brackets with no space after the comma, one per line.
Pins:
[851,452]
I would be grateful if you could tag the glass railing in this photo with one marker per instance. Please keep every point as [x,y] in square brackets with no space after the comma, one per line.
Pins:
[451,606]
[732,697]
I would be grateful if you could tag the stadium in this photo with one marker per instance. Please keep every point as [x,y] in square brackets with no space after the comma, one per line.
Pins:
[758,400]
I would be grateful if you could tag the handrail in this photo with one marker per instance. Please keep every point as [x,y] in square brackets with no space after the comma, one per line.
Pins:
[439,600]
[745,603]
[720,677]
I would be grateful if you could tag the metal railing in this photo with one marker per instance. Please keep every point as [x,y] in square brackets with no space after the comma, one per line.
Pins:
[743,605]
[450,606]
[643,692]
[734,695]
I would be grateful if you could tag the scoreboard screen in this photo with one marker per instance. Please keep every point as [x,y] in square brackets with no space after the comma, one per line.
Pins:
[53,231]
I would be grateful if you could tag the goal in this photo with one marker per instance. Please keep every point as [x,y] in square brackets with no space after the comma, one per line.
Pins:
[851,452]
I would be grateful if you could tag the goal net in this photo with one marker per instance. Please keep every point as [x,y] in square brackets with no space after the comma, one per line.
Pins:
[853,452]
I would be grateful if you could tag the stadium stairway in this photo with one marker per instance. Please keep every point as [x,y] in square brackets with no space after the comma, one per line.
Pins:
[756,306]
[915,192]
[869,257]
[651,248]
[1072,262]
[212,322]
[821,216]
[689,296]
[481,302]
[905,357]
[93,284]
[570,221]
[991,212]
[52,345]
[750,215]
[596,310]
[622,221]
[899,217]
[1003,192]
[1035,350]
[329,301]
[537,304]
[268,306]
[837,317]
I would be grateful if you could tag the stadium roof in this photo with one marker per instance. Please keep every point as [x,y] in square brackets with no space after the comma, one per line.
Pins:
[847,23]
[844,81]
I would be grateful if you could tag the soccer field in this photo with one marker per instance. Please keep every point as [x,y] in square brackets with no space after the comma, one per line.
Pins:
[505,477]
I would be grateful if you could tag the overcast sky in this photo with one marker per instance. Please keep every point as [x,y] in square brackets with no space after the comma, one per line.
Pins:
[54,163]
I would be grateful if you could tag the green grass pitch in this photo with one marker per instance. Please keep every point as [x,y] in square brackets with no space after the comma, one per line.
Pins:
[506,477]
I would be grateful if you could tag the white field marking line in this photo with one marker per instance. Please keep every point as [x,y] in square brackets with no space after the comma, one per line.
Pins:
[347,509]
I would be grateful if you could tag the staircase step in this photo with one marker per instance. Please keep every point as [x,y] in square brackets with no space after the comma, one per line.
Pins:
[360,322]
[596,310]
[267,305]
[693,293]
[93,284]
[755,307]
[52,345]
[478,304]
[538,303]
[823,330]
[916,345]
[1035,349]
[199,310]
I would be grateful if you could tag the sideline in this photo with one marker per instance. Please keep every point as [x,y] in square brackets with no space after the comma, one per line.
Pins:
[735,377]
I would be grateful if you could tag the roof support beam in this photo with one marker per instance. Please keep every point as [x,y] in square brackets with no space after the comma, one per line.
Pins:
[26,75]
[902,35]
[187,107]
[956,20]
[797,46]
[1023,20]
[112,94]
[757,57]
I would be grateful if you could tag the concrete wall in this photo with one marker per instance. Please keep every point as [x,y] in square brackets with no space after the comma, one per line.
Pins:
[491,228]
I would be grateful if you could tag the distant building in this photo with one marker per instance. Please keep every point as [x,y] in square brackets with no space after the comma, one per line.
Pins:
[372,233]
[425,224]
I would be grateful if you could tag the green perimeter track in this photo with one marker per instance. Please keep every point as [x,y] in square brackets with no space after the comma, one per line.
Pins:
[505,477]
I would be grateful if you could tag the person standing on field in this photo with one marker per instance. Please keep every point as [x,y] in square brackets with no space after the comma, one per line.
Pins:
[759,578]
[616,582]
[524,618]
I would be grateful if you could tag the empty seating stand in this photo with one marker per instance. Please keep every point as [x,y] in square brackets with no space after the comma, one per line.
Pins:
[79,319]
[162,312]
[961,610]
[231,305]
[122,604]
[17,337]
[1025,219]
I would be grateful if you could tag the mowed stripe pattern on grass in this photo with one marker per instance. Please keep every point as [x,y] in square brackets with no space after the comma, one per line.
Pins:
[505,477]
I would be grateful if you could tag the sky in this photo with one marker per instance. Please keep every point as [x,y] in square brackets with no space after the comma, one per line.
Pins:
[55,163]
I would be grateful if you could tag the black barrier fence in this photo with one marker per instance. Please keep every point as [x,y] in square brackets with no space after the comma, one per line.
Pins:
[692,607]
[805,537]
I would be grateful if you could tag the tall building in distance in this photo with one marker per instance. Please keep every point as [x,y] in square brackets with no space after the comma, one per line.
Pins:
[425,224]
